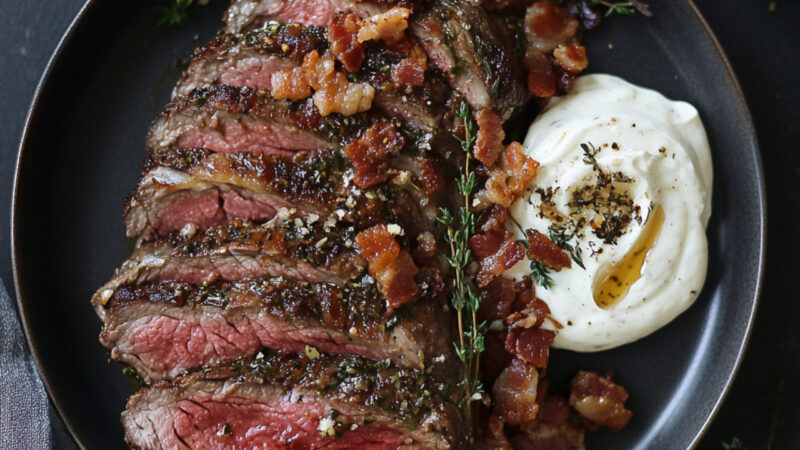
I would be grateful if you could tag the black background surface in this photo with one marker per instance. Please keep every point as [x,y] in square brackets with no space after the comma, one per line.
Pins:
[762,40]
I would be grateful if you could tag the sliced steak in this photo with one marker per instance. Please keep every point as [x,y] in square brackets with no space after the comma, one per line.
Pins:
[468,46]
[194,187]
[231,119]
[238,250]
[164,328]
[245,15]
[282,400]
[250,59]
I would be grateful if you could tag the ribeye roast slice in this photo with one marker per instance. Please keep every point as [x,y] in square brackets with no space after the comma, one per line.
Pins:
[282,400]
[250,59]
[162,329]
[468,46]
[195,187]
[314,252]
[245,15]
[231,119]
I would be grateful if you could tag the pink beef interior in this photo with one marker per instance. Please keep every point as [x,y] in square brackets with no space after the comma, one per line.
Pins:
[254,72]
[244,424]
[250,135]
[160,346]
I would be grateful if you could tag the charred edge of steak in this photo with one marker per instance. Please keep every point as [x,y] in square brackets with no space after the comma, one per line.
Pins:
[317,182]
[282,46]
[349,319]
[249,14]
[470,48]
[300,115]
[352,390]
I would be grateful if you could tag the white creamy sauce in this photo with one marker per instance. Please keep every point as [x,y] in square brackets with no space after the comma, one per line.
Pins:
[661,146]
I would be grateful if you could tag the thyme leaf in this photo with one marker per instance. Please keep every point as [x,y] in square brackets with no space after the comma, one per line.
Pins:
[622,7]
[175,12]
[541,275]
[461,226]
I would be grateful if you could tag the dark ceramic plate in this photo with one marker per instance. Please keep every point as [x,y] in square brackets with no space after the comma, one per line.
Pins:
[84,141]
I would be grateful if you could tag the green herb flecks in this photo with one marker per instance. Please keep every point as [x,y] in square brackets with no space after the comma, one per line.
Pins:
[541,275]
[460,228]
[561,239]
[622,7]
[175,12]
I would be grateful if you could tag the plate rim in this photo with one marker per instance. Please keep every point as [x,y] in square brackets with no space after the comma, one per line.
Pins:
[80,17]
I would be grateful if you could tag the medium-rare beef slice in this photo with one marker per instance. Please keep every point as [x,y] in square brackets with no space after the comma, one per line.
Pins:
[195,187]
[162,329]
[294,248]
[231,119]
[469,47]
[245,15]
[283,400]
[250,59]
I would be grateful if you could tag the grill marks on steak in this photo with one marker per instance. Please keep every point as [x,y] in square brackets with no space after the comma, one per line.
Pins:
[468,46]
[285,400]
[238,250]
[199,188]
[231,119]
[165,328]
[250,59]
[245,15]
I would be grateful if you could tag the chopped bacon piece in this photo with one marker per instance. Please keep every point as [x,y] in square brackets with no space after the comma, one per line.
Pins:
[426,246]
[571,57]
[541,76]
[370,153]
[515,391]
[544,436]
[410,71]
[542,249]
[343,37]
[508,181]
[600,400]
[489,143]
[493,218]
[392,267]
[430,175]
[497,299]
[389,26]
[334,93]
[547,25]
[530,344]
[290,83]
[496,252]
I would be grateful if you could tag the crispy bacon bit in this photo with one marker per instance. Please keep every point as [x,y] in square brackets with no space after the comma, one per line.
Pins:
[494,248]
[426,246]
[508,181]
[290,83]
[342,35]
[541,76]
[389,26]
[495,251]
[370,153]
[497,299]
[530,344]
[541,435]
[410,71]
[390,266]
[542,249]
[489,143]
[571,57]
[547,25]
[333,92]
[600,400]
[430,175]
[514,393]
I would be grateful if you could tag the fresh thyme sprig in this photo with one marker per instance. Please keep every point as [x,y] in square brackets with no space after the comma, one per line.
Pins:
[460,228]
[176,11]
[621,7]
[561,239]
[541,274]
